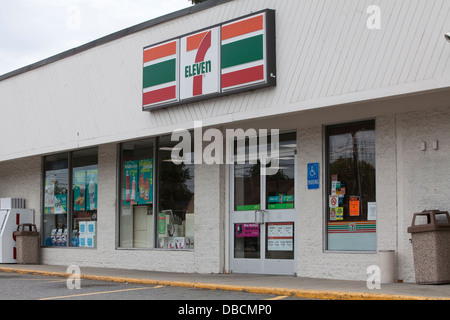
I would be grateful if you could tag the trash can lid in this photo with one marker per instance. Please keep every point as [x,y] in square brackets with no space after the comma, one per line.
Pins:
[25,233]
[432,223]
[21,230]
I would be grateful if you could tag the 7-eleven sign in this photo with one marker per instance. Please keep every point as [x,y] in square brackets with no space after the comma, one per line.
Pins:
[232,57]
[199,64]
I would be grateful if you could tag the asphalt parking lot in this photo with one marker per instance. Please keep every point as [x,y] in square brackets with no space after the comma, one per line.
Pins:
[38,287]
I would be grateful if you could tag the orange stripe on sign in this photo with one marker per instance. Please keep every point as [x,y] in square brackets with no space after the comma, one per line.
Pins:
[161,51]
[193,42]
[242,27]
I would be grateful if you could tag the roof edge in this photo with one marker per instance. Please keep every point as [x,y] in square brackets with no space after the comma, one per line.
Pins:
[116,35]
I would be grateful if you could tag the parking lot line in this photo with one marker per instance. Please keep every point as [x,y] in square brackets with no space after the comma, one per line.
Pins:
[278,298]
[43,280]
[102,292]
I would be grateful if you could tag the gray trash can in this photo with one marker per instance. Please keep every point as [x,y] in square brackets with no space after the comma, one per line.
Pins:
[27,244]
[431,246]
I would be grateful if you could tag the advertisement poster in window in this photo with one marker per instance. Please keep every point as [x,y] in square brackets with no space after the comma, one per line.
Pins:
[49,199]
[339,213]
[79,185]
[371,211]
[55,200]
[281,202]
[130,182]
[247,230]
[145,181]
[280,237]
[354,206]
[92,182]
[60,204]
[165,217]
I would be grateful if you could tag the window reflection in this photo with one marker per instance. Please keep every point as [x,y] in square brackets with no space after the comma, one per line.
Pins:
[176,197]
[70,211]
[137,222]
[351,175]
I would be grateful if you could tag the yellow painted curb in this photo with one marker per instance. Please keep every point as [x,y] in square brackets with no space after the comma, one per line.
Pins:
[300,293]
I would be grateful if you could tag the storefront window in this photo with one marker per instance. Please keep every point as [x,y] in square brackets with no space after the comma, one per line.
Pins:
[70,199]
[175,197]
[148,173]
[280,187]
[247,186]
[85,198]
[137,223]
[351,205]
[55,200]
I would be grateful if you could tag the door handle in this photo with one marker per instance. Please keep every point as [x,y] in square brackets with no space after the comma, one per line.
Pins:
[262,214]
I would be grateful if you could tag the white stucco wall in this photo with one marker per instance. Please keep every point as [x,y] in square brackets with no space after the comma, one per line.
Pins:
[423,176]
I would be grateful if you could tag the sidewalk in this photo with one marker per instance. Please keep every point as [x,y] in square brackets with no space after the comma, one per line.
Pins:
[265,284]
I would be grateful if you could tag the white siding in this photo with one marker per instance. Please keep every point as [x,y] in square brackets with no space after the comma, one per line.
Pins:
[325,56]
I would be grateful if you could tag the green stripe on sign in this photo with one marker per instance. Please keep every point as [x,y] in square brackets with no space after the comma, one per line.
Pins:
[242,51]
[160,73]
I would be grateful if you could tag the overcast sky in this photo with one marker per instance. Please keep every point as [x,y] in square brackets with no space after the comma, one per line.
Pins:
[32,30]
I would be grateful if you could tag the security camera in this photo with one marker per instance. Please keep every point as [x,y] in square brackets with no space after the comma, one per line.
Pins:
[447,36]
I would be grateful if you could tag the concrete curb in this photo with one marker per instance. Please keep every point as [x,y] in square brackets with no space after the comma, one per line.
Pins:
[301,293]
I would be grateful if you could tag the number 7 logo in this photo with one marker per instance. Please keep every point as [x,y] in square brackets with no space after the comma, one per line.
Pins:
[199,64]
[200,57]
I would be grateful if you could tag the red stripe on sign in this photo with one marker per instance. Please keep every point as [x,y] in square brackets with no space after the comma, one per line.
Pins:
[17,218]
[280,238]
[201,53]
[356,231]
[160,95]
[243,76]
[14,253]
[198,85]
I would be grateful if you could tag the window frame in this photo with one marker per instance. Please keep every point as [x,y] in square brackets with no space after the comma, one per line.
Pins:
[68,156]
[120,174]
[156,191]
[327,178]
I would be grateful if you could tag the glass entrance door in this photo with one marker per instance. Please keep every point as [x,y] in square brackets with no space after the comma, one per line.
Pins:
[263,216]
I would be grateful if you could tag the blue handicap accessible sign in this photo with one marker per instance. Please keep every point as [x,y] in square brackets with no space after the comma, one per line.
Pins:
[313,176]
